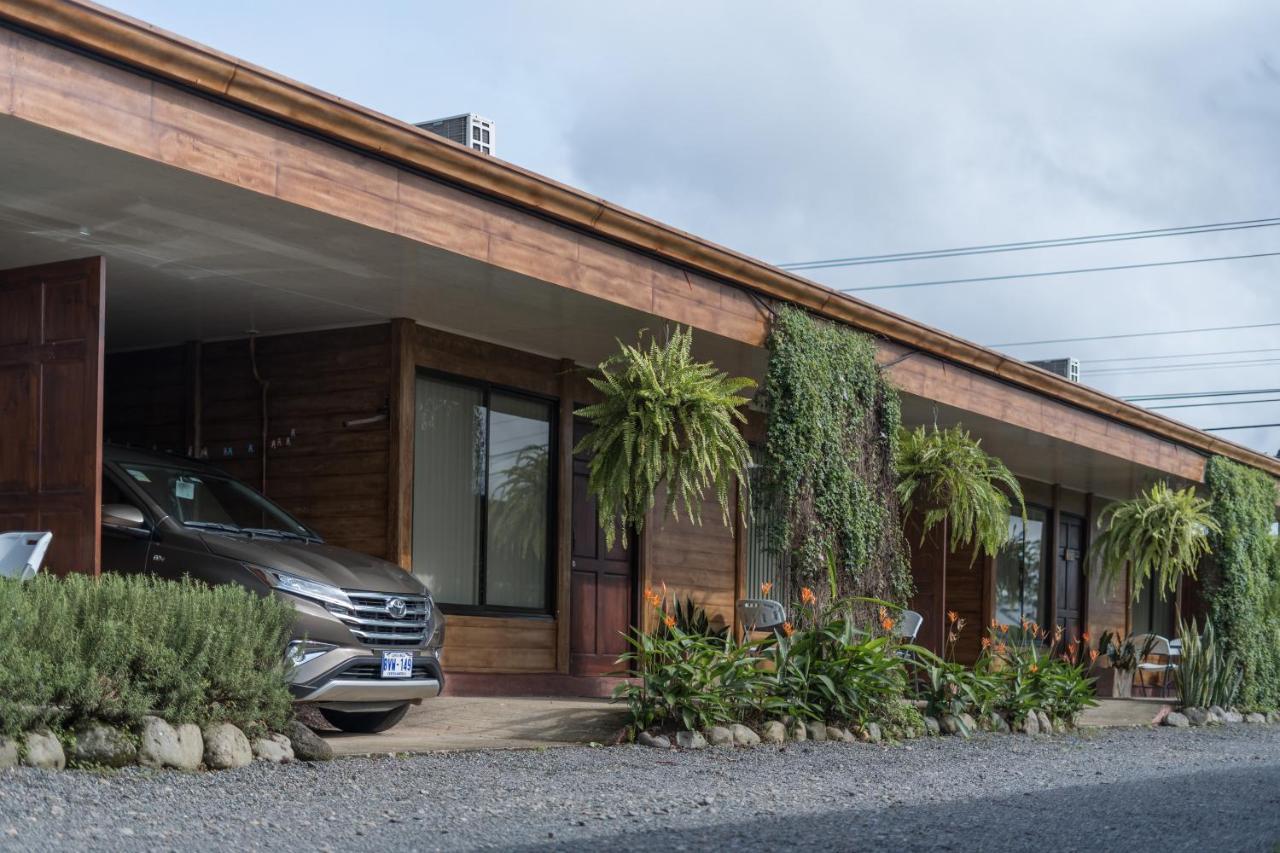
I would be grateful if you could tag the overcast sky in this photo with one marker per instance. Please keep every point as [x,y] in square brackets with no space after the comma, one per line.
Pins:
[802,131]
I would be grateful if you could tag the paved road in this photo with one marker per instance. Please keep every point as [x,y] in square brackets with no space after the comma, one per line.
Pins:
[1131,790]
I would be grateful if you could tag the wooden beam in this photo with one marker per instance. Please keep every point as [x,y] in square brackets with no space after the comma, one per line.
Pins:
[400,424]
[564,515]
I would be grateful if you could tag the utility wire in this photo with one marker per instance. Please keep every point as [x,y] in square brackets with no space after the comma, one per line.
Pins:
[1190,395]
[1178,368]
[1242,426]
[1135,335]
[960,251]
[1176,355]
[1219,403]
[1048,273]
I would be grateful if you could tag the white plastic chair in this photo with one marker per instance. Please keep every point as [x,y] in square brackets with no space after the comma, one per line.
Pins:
[1160,647]
[909,623]
[760,614]
[21,553]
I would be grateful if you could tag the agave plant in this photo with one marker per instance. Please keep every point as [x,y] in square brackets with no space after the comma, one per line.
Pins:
[948,475]
[1207,674]
[664,417]
[1162,533]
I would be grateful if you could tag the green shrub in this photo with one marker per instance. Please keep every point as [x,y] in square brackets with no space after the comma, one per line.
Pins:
[1207,673]
[1024,675]
[120,647]
[1242,576]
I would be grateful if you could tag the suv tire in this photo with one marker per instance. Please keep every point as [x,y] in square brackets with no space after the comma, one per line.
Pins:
[364,722]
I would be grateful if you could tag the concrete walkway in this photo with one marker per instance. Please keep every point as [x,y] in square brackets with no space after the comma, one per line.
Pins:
[1113,713]
[450,723]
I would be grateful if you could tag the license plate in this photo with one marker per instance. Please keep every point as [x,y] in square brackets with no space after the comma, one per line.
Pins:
[397,665]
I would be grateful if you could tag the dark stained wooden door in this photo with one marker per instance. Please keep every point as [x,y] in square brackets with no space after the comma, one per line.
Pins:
[51,330]
[602,584]
[1069,575]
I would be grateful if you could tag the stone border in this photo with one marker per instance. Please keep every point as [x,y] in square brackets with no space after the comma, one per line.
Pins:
[1217,716]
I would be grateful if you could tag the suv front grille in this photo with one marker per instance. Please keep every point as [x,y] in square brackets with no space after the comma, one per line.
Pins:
[373,671]
[371,621]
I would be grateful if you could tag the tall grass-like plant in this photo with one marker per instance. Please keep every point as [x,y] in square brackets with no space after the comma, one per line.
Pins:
[664,417]
[947,475]
[1207,673]
[1161,533]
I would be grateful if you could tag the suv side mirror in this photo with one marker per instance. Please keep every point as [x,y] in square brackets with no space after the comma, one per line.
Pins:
[123,515]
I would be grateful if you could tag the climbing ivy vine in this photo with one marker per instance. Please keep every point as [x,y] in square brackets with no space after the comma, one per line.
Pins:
[829,459]
[1243,575]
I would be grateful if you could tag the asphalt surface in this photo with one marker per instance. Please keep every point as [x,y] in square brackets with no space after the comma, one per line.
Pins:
[1131,790]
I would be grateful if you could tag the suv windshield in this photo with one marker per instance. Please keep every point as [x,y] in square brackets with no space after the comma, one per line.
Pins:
[214,502]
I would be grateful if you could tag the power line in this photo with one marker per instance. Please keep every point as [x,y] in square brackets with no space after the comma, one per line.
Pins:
[1220,403]
[1048,273]
[1178,368]
[1136,335]
[1242,426]
[1177,355]
[992,248]
[1189,395]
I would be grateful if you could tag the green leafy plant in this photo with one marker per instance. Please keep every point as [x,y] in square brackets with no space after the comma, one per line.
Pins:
[663,418]
[1242,580]
[692,618]
[1162,533]
[1207,673]
[1127,654]
[947,475]
[827,472]
[116,648]
[1026,675]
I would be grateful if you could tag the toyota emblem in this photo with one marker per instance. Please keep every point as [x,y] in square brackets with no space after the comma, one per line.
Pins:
[397,608]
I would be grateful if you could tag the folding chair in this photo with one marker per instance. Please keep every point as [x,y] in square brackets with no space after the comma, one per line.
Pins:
[21,553]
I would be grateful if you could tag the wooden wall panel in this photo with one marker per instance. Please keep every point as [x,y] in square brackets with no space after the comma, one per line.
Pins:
[694,561]
[966,596]
[146,399]
[963,589]
[488,644]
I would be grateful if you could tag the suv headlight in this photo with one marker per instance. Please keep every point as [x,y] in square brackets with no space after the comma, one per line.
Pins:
[301,587]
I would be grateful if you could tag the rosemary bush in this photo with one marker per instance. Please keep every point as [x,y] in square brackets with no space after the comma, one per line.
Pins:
[119,647]
[667,418]
[946,474]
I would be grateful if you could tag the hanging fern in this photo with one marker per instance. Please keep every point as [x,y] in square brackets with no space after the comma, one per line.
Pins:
[946,474]
[664,418]
[828,466]
[1162,533]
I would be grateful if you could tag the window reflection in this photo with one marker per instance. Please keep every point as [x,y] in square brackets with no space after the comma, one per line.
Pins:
[1020,592]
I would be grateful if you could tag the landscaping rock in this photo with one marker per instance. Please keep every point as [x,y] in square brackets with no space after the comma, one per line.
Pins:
[970,723]
[1273,716]
[644,739]
[273,748]
[225,747]
[932,727]
[872,732]
[743,736]
[158,744]
[1196,716]
[1030,724]
[309,746]
[953,725]
[841,734]
[1255,718]
[1217,716]
[719,736]
[190,748]
[43,750]
[774,732]
[100,745]
[8,753]
[1232,717]
[815,731]
[1046,725]
[1176,720]
[996,723]
[690,740]
[797,732]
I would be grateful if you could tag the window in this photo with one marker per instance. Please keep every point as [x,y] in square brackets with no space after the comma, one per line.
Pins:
[482,495]
[1151,614]
[763,564]
[1020,592]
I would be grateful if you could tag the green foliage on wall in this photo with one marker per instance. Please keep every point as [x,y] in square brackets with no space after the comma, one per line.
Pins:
[663,418]
[829,459]
[1241,582]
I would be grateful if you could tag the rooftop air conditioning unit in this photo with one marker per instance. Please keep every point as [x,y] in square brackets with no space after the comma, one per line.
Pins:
[467,129]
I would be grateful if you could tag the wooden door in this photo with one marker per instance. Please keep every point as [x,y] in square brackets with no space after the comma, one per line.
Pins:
[601,587]
[1069,575]
[51,330]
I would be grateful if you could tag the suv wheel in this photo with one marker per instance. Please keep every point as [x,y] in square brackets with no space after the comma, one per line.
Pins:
[364,722]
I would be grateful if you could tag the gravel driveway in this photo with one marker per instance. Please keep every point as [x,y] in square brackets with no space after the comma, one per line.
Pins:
[1132,789]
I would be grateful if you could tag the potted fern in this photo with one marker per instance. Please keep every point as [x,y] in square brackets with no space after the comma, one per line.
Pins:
[947,475]
[666,418]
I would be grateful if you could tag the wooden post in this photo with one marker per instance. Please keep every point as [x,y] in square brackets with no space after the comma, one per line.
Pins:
[1049,619]
[564,516]
[1086,570]
[739,559]
[400,424]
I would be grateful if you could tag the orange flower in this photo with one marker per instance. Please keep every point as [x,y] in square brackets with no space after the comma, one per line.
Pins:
[787,629]
[766,588]
[986,642]
[1034,668]
[1057,634]
[1000,647]
[886,623]
[1071,649]
[994,623]
[670,621]
[952,616]
[1085,636]
[1004,629]
[1093,655]
[807,596]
